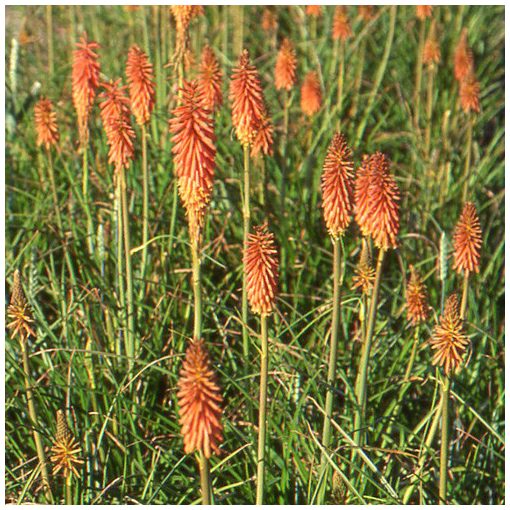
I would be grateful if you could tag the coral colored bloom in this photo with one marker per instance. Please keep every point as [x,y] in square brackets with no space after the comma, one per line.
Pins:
[311,95]
[19,312]
[183,14]
[140,77]
[261,270]
[431,51]
[463,58]
[199,402]
[210,78]
[117,125]
[364,273]
[337,186]
[194,152]
[263,141]
[448,338]
[467,241]
[423,12]
[66,451]
[314,10]
[85,80]
[470,94]
[366,12]
[341,25]
[285,67]
[269,20]
[249,111]
[376,201]
[46,123]
[416,298]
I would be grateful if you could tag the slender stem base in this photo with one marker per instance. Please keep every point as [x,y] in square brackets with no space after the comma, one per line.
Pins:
[246,220]
[326,431]
[145,209]
[262,411]
[197,290]
[361,382]
[443,471]
[205,479]
[467,166]
[33,418]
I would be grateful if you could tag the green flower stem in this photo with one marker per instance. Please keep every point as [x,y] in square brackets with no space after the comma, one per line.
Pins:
[145,208]
[205,479]
[330,383]
[443,469]
[130,334]
[379,75]
[33,418]
[361,383]
[423,456]
[419,72]
[246,220]
[262,411]
[85,193]
[467,165]
[120,275]
[430,95]
[69,488]
[341,65]
[49,28]
[197,289]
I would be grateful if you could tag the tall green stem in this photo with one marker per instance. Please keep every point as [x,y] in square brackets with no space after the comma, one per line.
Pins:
[197,289]
[379,75]
[261,458]
[359,78]
[120,274]
[341,65]
[361,382]
[467,165]
[130,333]
[69,489]
[419,71]
[85,193]
[284,147]
[246,220]
[330,383]
[430,89]
[423,456]
[49,28]
[463,304]
[33,418]
[443,469]
[145,210]
[205,479]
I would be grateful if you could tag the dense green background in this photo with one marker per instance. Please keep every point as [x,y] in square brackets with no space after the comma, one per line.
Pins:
[143,452]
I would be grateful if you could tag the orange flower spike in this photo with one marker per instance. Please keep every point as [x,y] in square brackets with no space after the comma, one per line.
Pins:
[261,269]
[463,58]
[448,338]
[269,21]
[285,67]
[470,94]
[311,95]
[263,141]
[467,241]
[210,78]
[431,50]
[366,12]
[376,201]
[337,186]
[314,10]
[247,98]
[416,299]
[85,81]
[200,402]
[46,124]
[117,125]
[194,153]
[140,77]
[341,25]
[423,12]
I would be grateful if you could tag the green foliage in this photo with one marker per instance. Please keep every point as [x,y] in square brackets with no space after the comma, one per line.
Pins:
[128,426]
